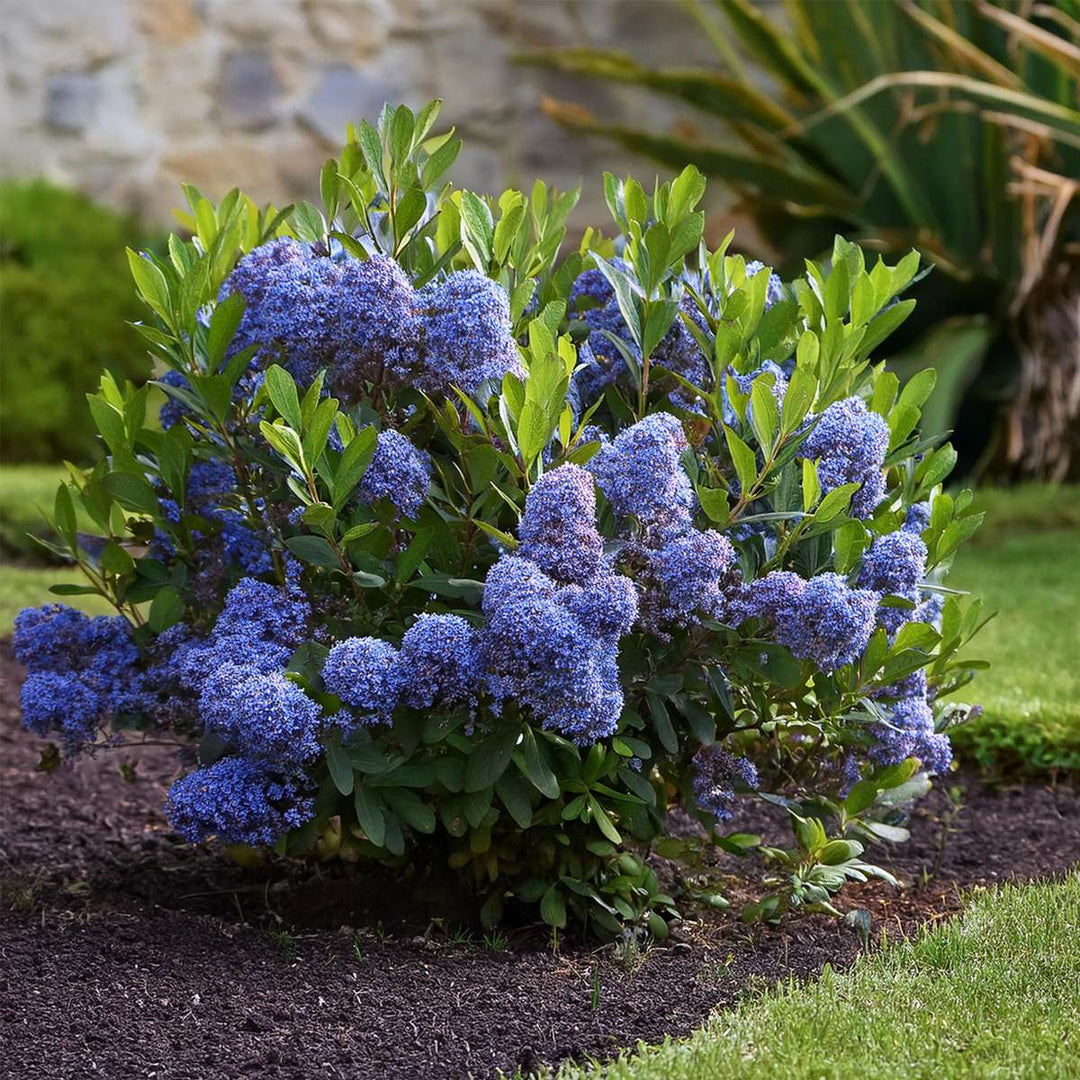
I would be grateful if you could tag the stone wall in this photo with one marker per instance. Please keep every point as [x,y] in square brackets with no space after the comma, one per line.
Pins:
[126,98]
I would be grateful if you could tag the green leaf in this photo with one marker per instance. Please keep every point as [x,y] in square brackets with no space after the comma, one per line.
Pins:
[714,502]
[532,431]
[354,462]
[603,821]
[281,387]
[763,413]
[665,730]
[224,323]
[341,770]
[73,590]
[369,815]
[413,556]
[535,767]
[476,229]
[515,797]
[743,459]
[166,610]
[489,760]
[151,284]
[314,550]
[133,492]
[553,908]
[411,808]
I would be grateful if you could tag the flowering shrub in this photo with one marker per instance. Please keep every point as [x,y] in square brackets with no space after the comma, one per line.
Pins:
[454,547]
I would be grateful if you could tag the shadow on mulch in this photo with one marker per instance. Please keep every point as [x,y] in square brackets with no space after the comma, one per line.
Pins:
[126,954]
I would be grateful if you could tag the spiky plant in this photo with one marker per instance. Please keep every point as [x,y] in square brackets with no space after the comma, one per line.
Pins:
[950,126]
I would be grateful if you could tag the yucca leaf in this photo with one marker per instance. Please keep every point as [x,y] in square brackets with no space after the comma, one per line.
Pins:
[736,167]
[1055,49]
[1063,122]
[705,90]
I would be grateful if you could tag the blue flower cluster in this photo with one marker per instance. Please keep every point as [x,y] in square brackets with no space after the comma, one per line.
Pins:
[554,649]
[466,334]
[364,672]
[398,472]
[270,727]
[850,444]
[239,801]
[558,529]
[641,475]
[909,728]
[211,486]
[687,573]
[694,572]
[82,672]
[718,775]
[821,619]
[555,613]
[439,662]
[894,565]
[364,322]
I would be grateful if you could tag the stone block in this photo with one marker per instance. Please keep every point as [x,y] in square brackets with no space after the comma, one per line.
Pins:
[249,90]
[71,102]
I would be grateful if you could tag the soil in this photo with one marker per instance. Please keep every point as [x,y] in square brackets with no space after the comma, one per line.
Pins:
[126,954]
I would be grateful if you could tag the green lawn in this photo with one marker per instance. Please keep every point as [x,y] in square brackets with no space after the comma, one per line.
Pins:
[993,993]
[1025,564]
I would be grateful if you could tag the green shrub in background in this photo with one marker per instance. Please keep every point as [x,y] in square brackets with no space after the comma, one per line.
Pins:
[66,298]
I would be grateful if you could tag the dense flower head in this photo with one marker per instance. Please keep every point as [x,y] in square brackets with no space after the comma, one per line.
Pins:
[774,292]
[398,472]
[539,652]
[289,299]
[718,774]
[693,572]
[641,475]
[438,664]
[850,443]
[607,606]
[917,519]
[239,801]
[909,727]
[894,564]
[364,322]
[365,673]
[558,529]
[820,619]
[261,714]
[259,613]
[609,364]
[377,326]
[83,671]
[467,334]
[591,286]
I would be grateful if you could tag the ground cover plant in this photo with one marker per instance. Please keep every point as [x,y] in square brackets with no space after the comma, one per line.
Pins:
[951,1002]
[456,550]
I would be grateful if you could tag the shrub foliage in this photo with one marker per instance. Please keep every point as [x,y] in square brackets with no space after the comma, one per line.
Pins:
[67,295]
[460,548]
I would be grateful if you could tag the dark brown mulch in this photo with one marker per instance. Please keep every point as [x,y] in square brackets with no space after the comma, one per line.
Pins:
[124,954]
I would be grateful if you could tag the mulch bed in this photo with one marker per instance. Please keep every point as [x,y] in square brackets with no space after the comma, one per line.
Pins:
[125,954]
